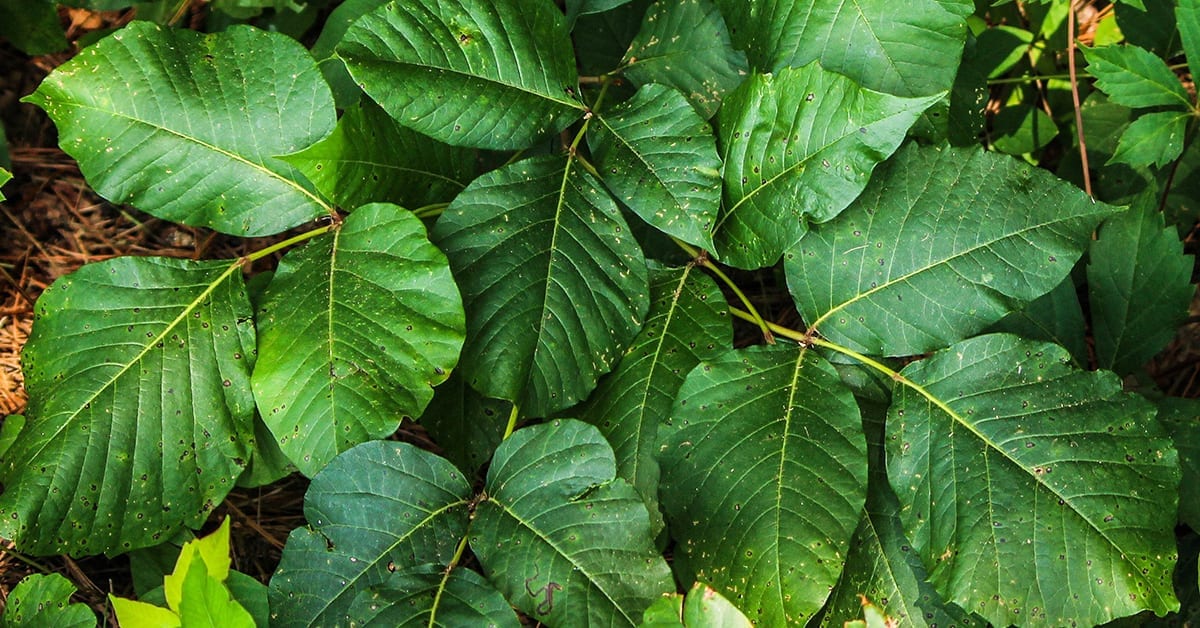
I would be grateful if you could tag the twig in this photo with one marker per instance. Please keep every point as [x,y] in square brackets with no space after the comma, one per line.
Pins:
[1087,175]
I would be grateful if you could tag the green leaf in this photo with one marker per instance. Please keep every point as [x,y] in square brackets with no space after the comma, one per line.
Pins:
[1187,16]
[131,361]
[601,39]
[799,146]
[575,8]
[1181,418]
[1151,26]
[355,330]
[467,425]
[135,614]
[42,600]
[944,243]
[426,596]
[686,45]
[1000,48]
[1139,288]
[206,601]
[1135,77]
[553,282]
[562,538]
[211,550]
[5,177]
[764,474]
[345,92]
[660,159]
[688,322]
[32,26]
[10,428]
[914,52]
[703,607]
[1023,128]
[380,507]
[369,158]
[1153,139]
[1033,492]
[145,114]
[488,73]
[1055,317]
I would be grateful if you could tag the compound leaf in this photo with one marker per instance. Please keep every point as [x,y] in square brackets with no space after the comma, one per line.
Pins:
[563,539]
[553,282]
[131,361]
[41,600]
[764,474]
[1033,492]
[1135,77]
[945,242]
[355,329]
[660,159]
[378,508]
[799,146]
[185,126]
[426,596]
[494,74]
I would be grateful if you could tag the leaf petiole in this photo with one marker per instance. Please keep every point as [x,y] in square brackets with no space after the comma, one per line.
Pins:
[700,258]
[292,241]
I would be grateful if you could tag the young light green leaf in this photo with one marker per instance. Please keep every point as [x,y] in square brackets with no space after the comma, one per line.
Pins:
[369,158]
[553,282]
[465,424]
[426,596]
[686,45]
[563,539]
[660,159]
[131,361]
[1152,139]
[914,52]
[945,242]
[798,147]
[5,177]
[688,322]
[355,330]
[494,74]
[206,601]
[764,474]
[1034,493]
[41,600]
[1055,317]
[144,113]
[379,508]
[1139,288]
[1135,77]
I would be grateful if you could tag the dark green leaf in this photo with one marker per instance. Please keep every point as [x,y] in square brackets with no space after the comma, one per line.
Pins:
[799,146]
[345,91]
[32,26]
[1056,317]
[268,463]
[560,536]
[380,507]
[426,596]
[1020,129]
[1153,139]
[945,242]
[44,601]
[703,607]
[1151,26]
[1187,15]
[488,73]
[1000,48]
[575,8]
[660,159]
[1033,492]
[553,282]
[355,330]
[601,39]
[1135,77]
[763,479]
[131,362]
[144,113]
[1139,285]
[467,425]
[1181,417]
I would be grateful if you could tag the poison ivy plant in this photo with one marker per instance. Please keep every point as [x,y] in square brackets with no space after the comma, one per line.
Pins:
[481,246]
[45,600]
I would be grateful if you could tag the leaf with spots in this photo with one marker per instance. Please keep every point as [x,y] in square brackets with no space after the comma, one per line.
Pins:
[1034,493]
[378,509]
[355,330]
[660,159]
[553,282]
[798,147]
[564,539]
[131,362]
[186,126]
[45,600]
[496,74]
[764,474]
[945,242]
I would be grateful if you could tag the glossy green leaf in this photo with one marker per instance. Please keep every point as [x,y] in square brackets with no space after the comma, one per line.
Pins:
[798,147]
[488,73]
[1135,77]
[601,39]
[1181,418]
[355,330]
[1034,493]
[688,322]
[44,601]
[32,26]
[945,242]
[426,596]
[685,44]
[553,282]
[467,425]
[1056,317]
[379,508]
[703,607]
[131,361]
[1139,288]
[913,52]
[660,159]
[764,474]
[345,92]
[369,158]
[1152,139]
[149,115]
[560,536]
[575,8]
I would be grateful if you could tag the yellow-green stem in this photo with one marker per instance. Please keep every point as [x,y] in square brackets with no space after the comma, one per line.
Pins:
[292,241]
[437,598]
[752,312]
[512,422]
[429,211]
